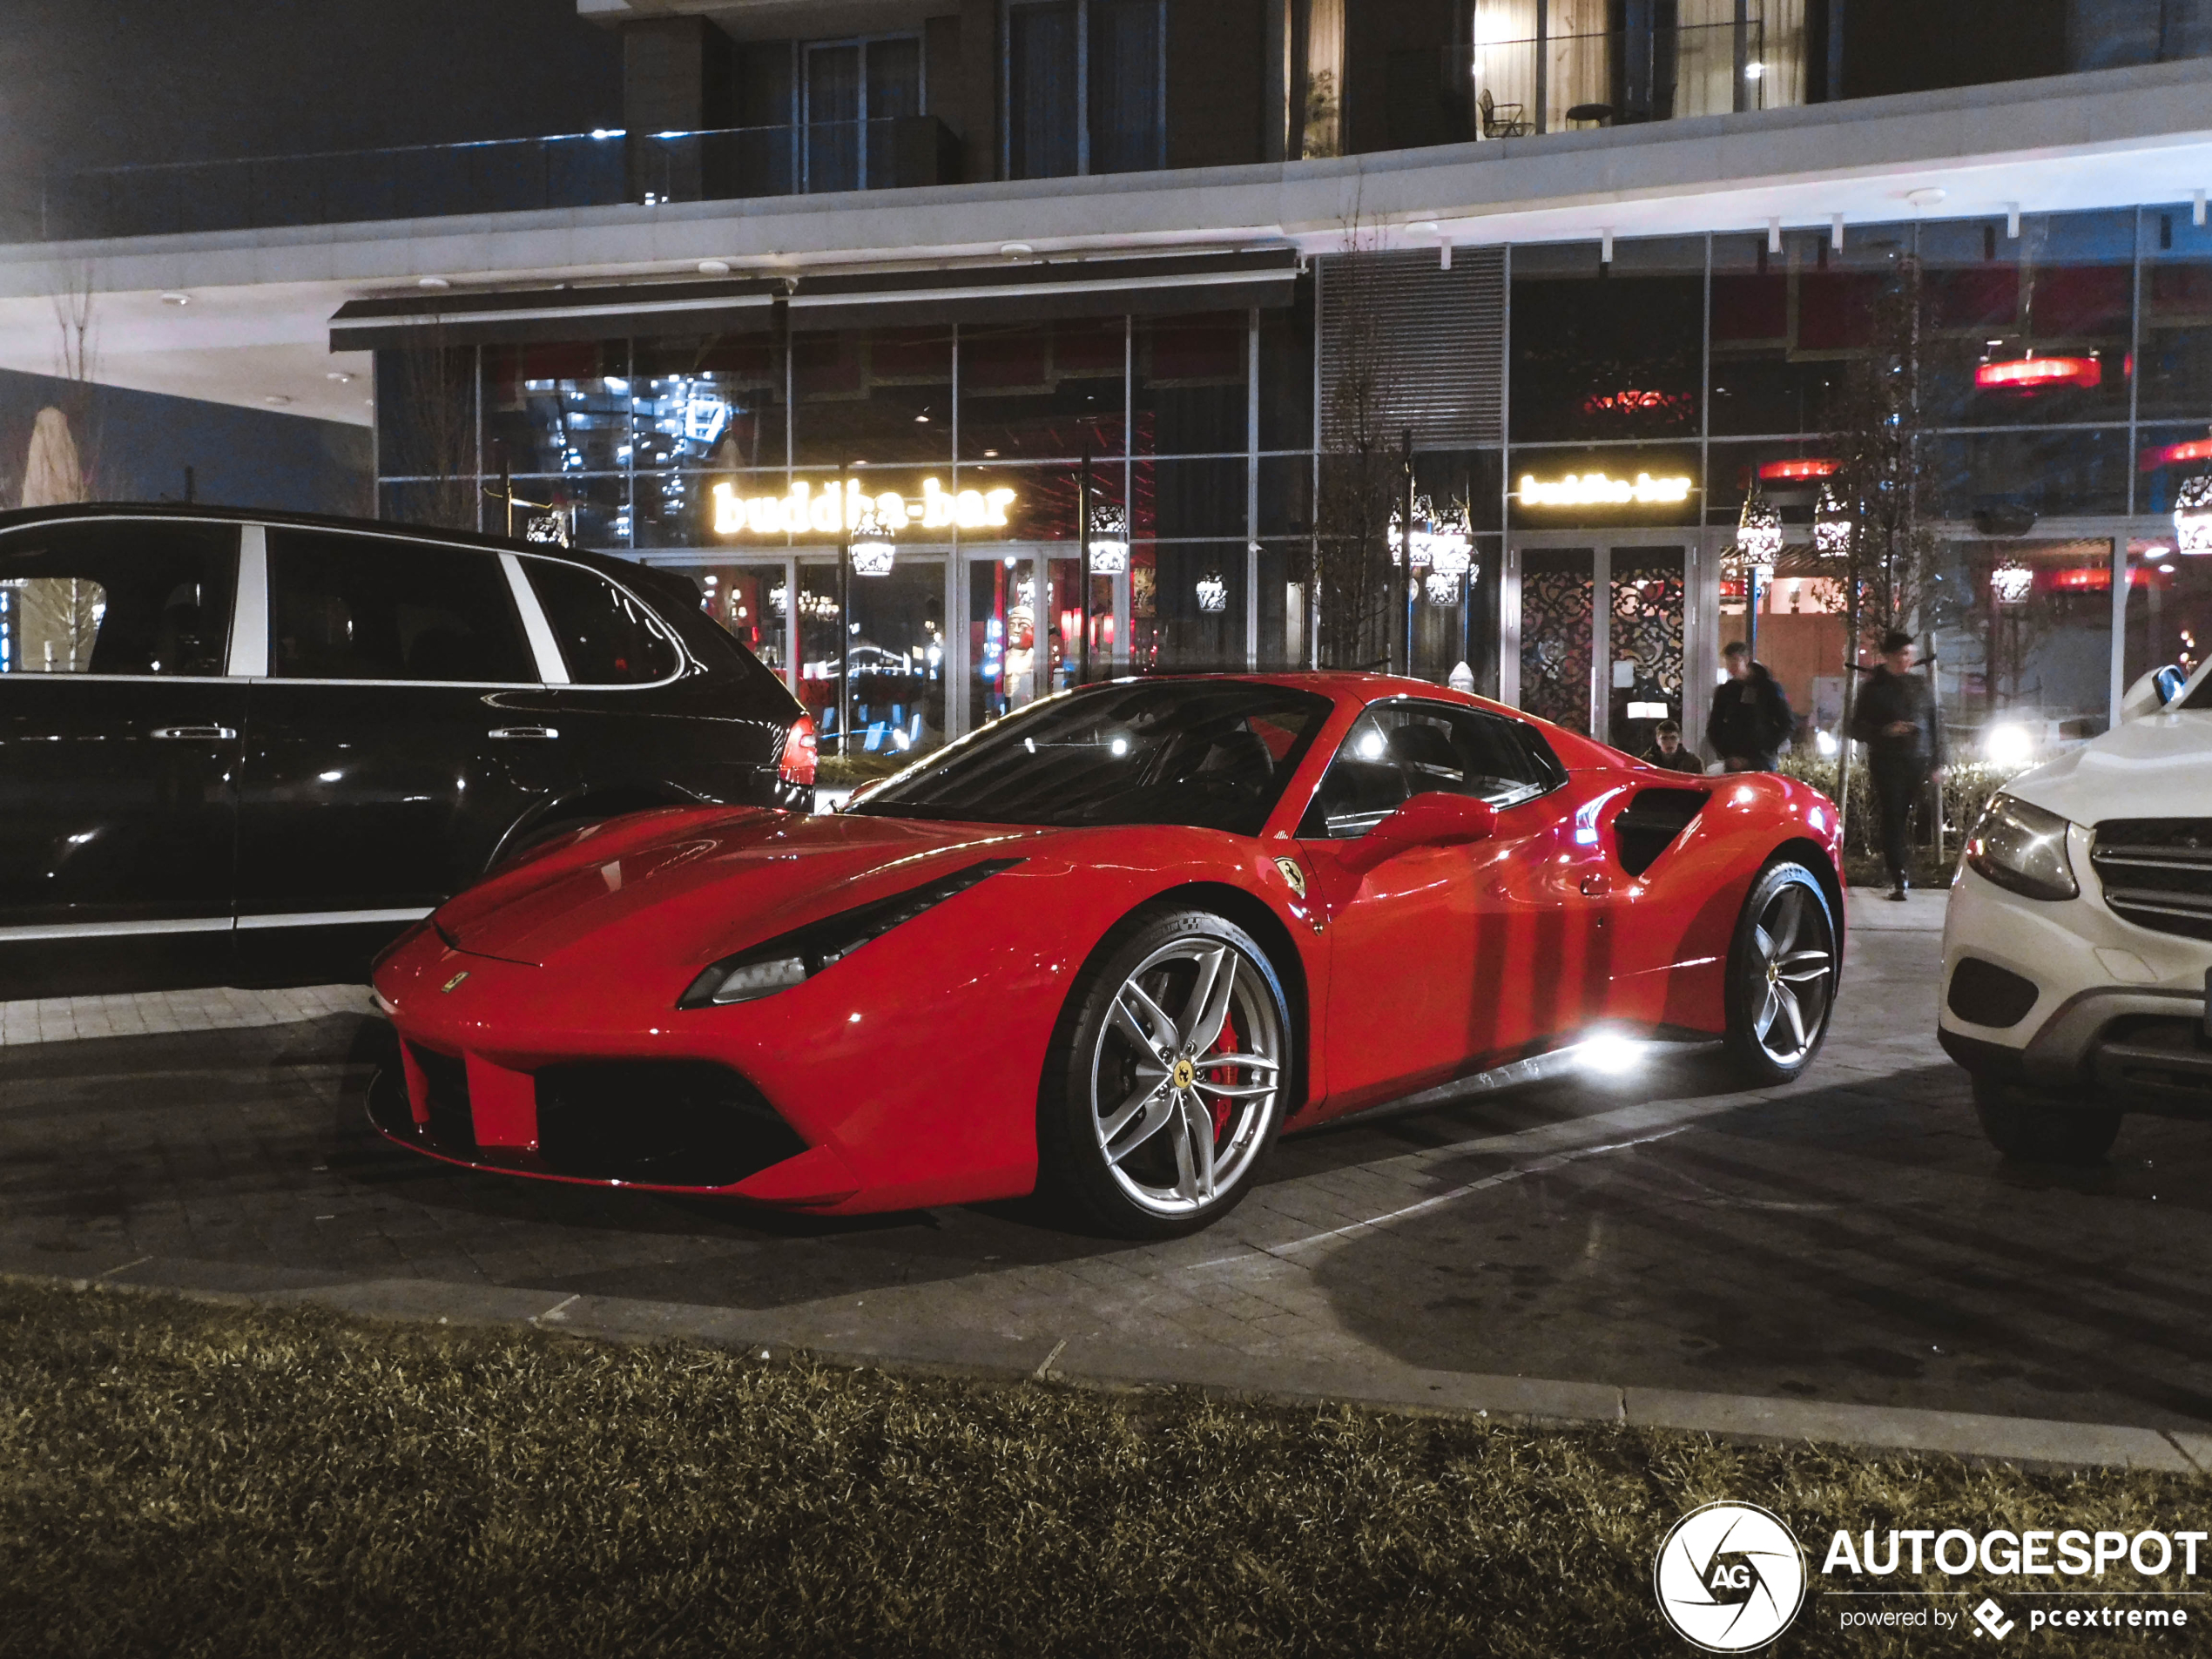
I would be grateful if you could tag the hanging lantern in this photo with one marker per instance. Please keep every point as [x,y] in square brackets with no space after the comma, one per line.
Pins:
[2011,583]
[1109,539]
[1758,531]
[1443,586]
[1213,593]
[2193,514]
[1831,526]
[1452,548]
[870,540]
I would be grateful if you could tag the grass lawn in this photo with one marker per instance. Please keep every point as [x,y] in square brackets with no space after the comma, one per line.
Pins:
[182,1479]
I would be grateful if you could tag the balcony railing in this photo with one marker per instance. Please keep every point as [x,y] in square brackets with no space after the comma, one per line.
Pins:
[503,176]
[1511,88]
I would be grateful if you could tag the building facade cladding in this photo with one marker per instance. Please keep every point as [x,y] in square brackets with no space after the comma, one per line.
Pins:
[1540,383]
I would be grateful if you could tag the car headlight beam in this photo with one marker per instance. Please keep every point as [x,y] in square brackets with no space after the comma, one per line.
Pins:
[793,958]
[2023,849]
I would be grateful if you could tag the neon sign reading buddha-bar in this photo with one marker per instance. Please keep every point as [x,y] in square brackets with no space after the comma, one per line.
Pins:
[1596,489]
[802,510]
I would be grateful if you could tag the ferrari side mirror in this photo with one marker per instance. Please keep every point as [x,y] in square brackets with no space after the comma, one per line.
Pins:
[1431,819]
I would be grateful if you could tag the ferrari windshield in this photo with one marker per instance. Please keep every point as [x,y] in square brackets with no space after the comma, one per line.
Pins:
[1213,754]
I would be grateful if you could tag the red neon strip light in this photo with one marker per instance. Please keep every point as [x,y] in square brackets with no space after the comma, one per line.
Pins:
[2032,374]
[1772,471]
[2175,454]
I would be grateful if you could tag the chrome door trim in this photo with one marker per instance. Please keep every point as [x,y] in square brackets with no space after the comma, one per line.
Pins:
[37,931]
[552,668]
[332,918]
[113,930]
[249,652]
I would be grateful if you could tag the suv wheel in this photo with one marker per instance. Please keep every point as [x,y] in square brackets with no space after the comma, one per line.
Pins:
[2031,1128]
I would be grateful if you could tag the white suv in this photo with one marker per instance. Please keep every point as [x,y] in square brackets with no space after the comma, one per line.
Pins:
[2077,948]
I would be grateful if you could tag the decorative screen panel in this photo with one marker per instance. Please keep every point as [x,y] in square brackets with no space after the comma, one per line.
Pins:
[1647,637]
[1557,604]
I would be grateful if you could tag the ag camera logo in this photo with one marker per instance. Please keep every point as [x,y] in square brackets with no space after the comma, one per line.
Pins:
[1730,1577]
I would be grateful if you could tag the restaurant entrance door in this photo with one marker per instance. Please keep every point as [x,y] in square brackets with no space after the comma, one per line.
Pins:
[1597,631]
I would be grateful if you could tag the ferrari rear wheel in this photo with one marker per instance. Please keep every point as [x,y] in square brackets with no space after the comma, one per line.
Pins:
[1170,1080]
[1782,975]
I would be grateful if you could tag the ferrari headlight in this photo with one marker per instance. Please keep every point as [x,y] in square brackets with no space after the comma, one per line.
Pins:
[2023,848]
[793,958]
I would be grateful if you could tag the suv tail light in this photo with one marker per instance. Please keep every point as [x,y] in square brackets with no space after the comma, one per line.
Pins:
[796,766]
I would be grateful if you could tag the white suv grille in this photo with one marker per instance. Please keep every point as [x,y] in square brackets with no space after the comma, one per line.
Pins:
[2157,872]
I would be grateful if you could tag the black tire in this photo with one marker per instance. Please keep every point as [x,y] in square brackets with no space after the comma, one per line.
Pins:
[2031,1128]
[1780,998]
[1193,1134]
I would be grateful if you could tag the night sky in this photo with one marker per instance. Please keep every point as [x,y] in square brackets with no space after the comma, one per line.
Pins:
[88,83]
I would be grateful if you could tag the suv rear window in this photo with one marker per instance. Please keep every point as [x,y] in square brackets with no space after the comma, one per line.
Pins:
[360,608]
[606,637]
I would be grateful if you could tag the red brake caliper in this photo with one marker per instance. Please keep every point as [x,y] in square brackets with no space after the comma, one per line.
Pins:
[1225,1075]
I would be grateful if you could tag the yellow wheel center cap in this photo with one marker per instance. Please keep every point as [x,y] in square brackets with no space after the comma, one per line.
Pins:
[1773,972]
[1185,1074]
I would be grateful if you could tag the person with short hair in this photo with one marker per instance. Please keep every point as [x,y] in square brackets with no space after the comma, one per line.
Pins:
[1750,720]
[1667,750]
[1895,717]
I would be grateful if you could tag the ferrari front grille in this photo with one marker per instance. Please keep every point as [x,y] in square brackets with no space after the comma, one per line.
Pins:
[2157,872]
[668,1122]
[452,1123]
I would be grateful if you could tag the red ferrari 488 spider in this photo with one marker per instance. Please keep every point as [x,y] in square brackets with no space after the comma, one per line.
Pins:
[1111,945]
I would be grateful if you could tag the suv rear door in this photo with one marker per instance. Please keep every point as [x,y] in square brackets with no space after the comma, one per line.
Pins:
[399,727]
[119,749]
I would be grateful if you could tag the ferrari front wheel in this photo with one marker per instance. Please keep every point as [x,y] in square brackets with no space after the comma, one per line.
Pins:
[1168,1079]
[1782,967]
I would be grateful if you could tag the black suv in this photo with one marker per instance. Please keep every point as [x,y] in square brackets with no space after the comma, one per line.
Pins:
[248,748]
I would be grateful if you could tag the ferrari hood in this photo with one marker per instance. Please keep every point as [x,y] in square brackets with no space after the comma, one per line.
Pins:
[693,887]
[2157,766]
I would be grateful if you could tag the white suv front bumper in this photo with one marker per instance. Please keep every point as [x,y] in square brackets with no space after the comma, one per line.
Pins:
[2091,971]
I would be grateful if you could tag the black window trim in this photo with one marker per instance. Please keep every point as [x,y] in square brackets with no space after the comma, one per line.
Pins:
[230,674]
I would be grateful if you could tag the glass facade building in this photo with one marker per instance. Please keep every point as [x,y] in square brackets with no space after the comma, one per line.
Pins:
[1601,435]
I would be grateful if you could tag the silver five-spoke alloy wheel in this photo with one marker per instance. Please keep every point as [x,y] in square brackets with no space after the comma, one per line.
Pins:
[1795,957]
[1185,1074]
[1783,973]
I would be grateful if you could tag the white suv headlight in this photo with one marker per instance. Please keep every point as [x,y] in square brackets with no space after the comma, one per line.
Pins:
[2023,848]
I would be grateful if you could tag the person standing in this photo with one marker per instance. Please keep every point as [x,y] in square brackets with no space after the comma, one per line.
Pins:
[1896,719]
[1750,720]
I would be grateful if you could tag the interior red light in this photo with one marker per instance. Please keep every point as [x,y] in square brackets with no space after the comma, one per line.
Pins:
[2175,455]
[2032,374]
[1774,471]
[796,766]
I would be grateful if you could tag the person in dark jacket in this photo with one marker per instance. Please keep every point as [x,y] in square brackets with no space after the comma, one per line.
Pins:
[1750,720]
[1667,751]
[1895,717]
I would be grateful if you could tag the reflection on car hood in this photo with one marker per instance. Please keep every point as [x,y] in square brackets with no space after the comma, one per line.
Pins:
[701,884]
[2157,766]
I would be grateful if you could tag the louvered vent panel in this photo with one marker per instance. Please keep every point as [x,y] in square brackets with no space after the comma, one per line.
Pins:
[1436,338]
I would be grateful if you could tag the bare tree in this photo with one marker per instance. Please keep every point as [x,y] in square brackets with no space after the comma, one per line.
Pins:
[1360,469]
[1884,484]
[434,436]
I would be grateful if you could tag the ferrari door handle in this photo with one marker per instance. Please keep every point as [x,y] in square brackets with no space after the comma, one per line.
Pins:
[523,731]
[193,733]
[1596,884]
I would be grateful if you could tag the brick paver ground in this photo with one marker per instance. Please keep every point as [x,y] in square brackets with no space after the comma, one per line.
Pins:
[1849,1240]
